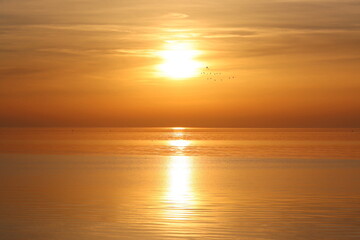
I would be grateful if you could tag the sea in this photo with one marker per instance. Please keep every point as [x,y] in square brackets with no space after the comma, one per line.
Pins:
[179,183]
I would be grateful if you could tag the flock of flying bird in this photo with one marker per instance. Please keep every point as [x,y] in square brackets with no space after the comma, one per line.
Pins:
[215,76]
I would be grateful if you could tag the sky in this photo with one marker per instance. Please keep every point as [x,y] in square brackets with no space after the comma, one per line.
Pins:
[198,63]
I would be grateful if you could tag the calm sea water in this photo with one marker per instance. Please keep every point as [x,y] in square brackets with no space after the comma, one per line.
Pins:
[164,183]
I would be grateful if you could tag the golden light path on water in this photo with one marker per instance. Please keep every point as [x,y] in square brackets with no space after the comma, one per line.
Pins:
[179,144]
[179,196]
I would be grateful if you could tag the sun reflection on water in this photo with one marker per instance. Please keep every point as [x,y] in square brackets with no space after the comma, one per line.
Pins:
[177,128]
[179,194]
[179,143]
[179,190]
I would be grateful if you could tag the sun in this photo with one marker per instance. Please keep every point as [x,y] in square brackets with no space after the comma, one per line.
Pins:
[179,60]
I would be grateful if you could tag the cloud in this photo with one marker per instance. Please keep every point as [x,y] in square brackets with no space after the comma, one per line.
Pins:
[80,27]
[175,16]
[18,71]
[63,51]
[136,52]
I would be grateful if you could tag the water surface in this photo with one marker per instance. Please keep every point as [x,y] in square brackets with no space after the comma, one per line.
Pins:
[164,183]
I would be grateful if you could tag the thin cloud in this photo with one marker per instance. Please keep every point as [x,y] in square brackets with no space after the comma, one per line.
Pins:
[175,16]
[136,52]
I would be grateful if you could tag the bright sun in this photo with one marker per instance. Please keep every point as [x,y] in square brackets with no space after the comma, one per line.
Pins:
[179,60]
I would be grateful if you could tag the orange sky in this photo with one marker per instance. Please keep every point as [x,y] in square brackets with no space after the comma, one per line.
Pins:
[291,63]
